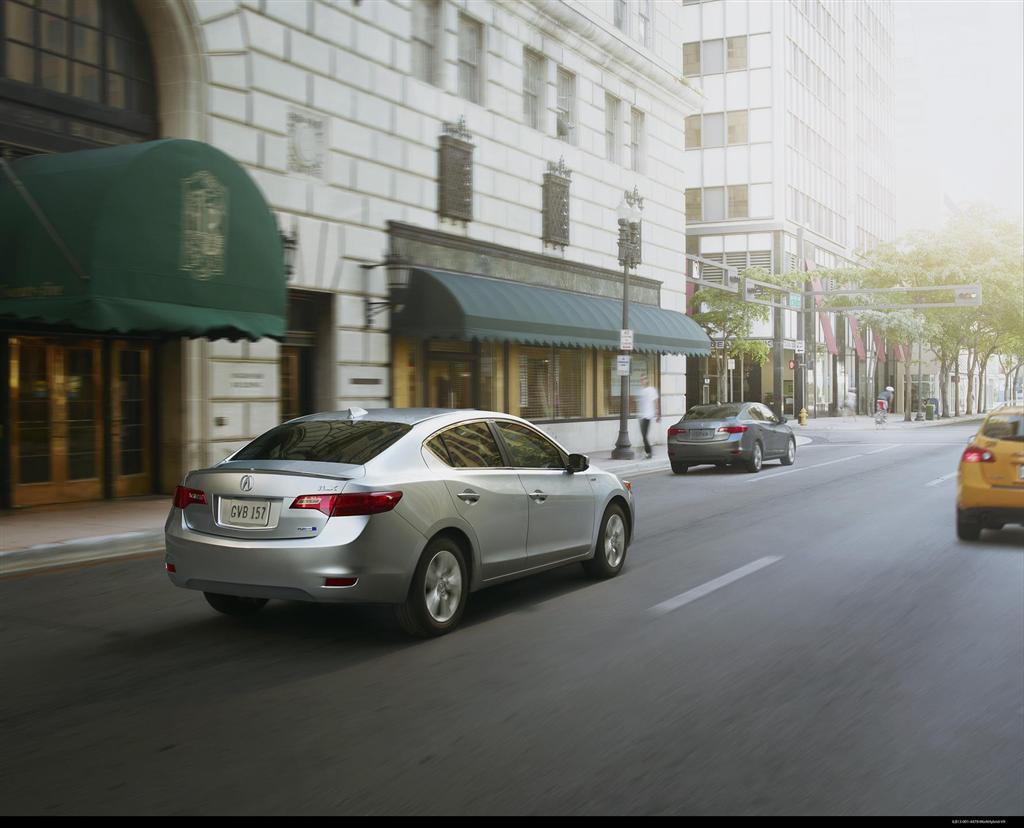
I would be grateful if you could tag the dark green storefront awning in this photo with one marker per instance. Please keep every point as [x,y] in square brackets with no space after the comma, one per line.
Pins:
[459,306]
[170,237]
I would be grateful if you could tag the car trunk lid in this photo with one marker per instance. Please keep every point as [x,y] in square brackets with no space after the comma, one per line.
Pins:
[252,499]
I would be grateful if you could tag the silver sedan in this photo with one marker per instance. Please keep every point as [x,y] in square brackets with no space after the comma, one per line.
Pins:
[727,434]
[411,507]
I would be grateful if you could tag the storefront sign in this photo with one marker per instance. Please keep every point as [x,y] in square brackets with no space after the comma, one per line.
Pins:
[203,225]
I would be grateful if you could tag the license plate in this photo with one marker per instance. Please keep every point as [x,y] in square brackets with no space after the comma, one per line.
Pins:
[245,512]
[704,433]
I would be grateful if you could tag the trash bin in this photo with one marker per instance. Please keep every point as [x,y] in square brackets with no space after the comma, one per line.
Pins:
[929,412]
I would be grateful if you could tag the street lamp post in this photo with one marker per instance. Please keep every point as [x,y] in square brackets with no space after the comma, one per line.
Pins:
[630,213]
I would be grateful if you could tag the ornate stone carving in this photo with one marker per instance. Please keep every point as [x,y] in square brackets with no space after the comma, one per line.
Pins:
[307,143]
[455,172]
[556,204]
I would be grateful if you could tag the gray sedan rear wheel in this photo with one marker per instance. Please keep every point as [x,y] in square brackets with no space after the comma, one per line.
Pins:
[789,458]
[437,596]
[612,543]
[756,459]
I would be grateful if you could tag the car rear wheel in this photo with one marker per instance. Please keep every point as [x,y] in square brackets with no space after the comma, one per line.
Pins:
[612,543]
[789,458]
[437,596]
[234,604]
[966,528]
[679,468]
[756,459]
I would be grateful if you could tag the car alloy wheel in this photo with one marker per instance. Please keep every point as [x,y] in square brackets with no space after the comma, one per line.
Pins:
[790,457]
[443,586]
[615,541]
[612,544]
[756,459]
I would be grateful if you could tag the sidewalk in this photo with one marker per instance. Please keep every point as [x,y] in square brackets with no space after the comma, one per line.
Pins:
[45,537]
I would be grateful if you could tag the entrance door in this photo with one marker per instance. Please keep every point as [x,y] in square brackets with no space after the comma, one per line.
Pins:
[450,383]
[56,440]
[130,423]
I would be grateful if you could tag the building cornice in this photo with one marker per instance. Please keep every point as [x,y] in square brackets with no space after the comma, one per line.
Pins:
[603,46]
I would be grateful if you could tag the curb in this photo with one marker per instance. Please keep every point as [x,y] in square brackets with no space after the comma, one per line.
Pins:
[85,550]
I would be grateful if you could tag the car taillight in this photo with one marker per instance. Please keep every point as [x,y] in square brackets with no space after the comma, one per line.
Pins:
[184,496]
[732,429]
[348,505]
[976,454]
[672,432]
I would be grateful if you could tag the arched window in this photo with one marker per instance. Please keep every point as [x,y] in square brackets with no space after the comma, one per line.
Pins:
[74,74]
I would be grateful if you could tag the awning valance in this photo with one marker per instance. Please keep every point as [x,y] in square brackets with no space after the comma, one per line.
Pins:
[451,305]
[170,237]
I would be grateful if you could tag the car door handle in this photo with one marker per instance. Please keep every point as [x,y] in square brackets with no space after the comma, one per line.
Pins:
[538,496]
[469,496]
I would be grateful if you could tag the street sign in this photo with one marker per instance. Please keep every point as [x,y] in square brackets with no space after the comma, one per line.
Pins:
[732,364]
[795,301]
[718,344]
[799,346]
[625,340]
[707,380]
[622,366]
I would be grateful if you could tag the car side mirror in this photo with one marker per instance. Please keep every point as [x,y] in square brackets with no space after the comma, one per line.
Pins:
[782,420]
[577,463]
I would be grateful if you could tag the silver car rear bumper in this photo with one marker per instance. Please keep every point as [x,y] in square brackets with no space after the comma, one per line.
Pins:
[380,551]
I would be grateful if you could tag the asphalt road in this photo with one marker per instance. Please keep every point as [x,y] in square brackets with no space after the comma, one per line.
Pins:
[810,640]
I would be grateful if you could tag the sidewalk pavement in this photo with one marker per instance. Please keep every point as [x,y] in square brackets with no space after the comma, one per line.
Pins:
[46,537]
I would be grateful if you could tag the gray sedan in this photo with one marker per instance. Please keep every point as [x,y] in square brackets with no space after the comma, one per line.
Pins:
[410,507]
[744,434]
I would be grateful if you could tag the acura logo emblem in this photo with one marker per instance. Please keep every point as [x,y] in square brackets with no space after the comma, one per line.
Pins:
[246,483]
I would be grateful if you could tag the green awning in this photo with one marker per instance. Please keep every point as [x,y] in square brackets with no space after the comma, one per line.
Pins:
[459,306]
[170,237]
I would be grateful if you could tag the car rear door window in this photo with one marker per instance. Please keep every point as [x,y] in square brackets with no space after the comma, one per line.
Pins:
[1004,427]
[530,450]
[472,446]
[325,441]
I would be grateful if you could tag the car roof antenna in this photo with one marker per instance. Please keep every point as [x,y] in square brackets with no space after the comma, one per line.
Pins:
[356,412]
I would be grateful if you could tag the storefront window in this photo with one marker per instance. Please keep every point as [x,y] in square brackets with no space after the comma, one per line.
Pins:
[552,383]
[491,376]
[640,366]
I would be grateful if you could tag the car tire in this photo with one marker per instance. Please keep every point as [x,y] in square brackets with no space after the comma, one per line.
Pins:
[966,528]
[612,545]
[439,589]
[789,458]
[236,605]
[756,459]
[679,468]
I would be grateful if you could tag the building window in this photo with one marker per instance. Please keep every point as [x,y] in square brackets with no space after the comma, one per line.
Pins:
[693,132]
[737,126]
[565,120]
[693,204]
[610,383]
[471,38]
[738,204]
[714,130]
[711,57]
[90,50]
[424,38]
[691,59]
[611,128]
[646,31]
[636,140]
[714,203]
[620,15]
[737,53]
[552,383]
[533,89]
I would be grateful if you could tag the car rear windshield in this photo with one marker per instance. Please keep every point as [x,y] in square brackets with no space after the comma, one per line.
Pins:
[1004,427]
[325,441]
[712,412]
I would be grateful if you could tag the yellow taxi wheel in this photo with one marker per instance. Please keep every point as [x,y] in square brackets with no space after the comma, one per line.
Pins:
[968,529]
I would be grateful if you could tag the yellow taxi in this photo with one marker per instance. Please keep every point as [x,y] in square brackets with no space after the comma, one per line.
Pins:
[990,485]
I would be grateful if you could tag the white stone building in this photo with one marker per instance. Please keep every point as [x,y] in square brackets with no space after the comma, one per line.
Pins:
[335,108]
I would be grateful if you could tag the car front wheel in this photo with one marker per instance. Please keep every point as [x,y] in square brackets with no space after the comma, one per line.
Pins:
[437,596]
[612,542]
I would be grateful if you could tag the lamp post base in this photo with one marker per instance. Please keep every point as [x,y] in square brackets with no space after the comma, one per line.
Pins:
[623,450]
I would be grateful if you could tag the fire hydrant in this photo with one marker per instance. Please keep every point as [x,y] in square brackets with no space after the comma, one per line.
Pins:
[803,416]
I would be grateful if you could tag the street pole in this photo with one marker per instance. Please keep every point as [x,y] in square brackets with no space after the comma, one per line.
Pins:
[629,256]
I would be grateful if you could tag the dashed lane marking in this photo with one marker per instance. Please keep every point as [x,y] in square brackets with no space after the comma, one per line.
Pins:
[706,589]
